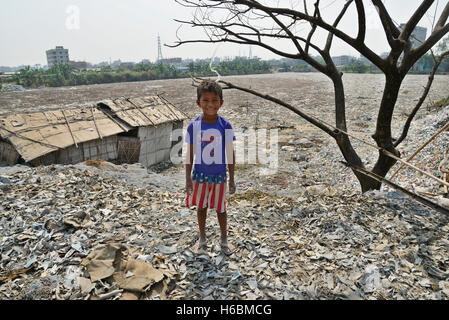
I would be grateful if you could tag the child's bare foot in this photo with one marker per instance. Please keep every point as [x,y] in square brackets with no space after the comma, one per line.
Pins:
[227,248]
[200,246]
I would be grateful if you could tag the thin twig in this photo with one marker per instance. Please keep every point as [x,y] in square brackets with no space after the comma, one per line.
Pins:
[421,100]
[446,127]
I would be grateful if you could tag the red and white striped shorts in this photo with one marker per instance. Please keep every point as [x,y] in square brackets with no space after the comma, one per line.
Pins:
[208,195]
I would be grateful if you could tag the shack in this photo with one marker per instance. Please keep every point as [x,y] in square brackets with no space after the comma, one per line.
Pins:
[122,130]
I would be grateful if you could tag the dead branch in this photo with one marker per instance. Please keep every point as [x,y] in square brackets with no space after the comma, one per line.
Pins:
[282,103]
[414,196]
[446,127]
[337,21]
[328,128]
[413,21]
[421,100]
[362,21]
[441,29]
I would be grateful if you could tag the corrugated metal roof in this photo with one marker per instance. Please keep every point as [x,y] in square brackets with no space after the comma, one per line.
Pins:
[39,133]
[145,111]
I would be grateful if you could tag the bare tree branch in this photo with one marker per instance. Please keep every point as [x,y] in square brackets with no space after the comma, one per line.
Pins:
[413,21]
[441,29]
[337,21]
[241,25]
[410,59]
[421,100]
[288,32]
[390,29]
[304,55]
[314,26]
[361,47]
[443,17]
[241,40]
[318,124]
[362,21]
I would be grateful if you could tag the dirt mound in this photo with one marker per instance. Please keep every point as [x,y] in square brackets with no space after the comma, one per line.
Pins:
[99,163]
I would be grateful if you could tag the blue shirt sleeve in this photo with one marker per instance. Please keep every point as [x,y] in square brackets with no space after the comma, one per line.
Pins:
[229,132]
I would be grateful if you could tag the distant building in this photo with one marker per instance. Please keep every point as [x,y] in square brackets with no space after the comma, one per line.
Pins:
[36,67]
[417,38]
[116,63]
[418,35]
[175,62]
[7,69]
[342,60]
[102,64]
[6,75]
[79,64]
[365,59]
[171,61]
[128,65]
[57,55]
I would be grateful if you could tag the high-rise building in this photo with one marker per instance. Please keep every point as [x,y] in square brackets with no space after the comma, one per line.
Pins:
[418,35]
[417,38]
[342,60]
[57,55]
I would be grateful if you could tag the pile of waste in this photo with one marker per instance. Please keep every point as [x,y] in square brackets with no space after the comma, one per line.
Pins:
[12,88]
[73,232]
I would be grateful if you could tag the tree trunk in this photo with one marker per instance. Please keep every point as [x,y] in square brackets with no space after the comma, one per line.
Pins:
[342,139]
[382,135]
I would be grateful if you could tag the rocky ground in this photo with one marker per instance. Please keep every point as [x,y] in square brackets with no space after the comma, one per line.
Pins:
[105,231]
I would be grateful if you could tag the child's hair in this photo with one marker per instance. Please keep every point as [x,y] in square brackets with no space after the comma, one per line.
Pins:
[209,86]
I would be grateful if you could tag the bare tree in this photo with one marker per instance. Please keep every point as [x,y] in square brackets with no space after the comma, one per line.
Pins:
[244,22]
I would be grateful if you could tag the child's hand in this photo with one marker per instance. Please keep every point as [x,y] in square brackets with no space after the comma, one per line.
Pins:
[189,186]
[231,186]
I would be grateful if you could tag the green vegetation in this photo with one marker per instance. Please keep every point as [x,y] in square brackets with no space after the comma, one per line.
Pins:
[356,66]
[423,65]
[427,61]
[65,75]
[243,66]
[232,67]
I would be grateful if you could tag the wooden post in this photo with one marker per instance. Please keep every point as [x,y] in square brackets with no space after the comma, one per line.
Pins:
[95,122]
[70,129]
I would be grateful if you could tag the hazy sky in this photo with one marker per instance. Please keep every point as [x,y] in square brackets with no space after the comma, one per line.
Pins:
[103,30]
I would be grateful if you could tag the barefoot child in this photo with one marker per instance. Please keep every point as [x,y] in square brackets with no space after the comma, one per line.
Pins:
[210,141]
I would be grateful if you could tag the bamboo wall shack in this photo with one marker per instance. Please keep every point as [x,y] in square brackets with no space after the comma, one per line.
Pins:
[119,130]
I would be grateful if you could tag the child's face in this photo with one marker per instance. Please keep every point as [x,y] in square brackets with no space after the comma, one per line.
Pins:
[210,103]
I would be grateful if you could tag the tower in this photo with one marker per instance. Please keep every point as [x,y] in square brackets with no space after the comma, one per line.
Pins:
[159,49]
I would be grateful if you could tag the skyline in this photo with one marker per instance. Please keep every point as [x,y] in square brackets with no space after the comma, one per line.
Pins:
[110,30]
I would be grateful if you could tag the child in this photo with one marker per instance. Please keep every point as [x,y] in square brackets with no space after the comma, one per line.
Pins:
[210,138]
